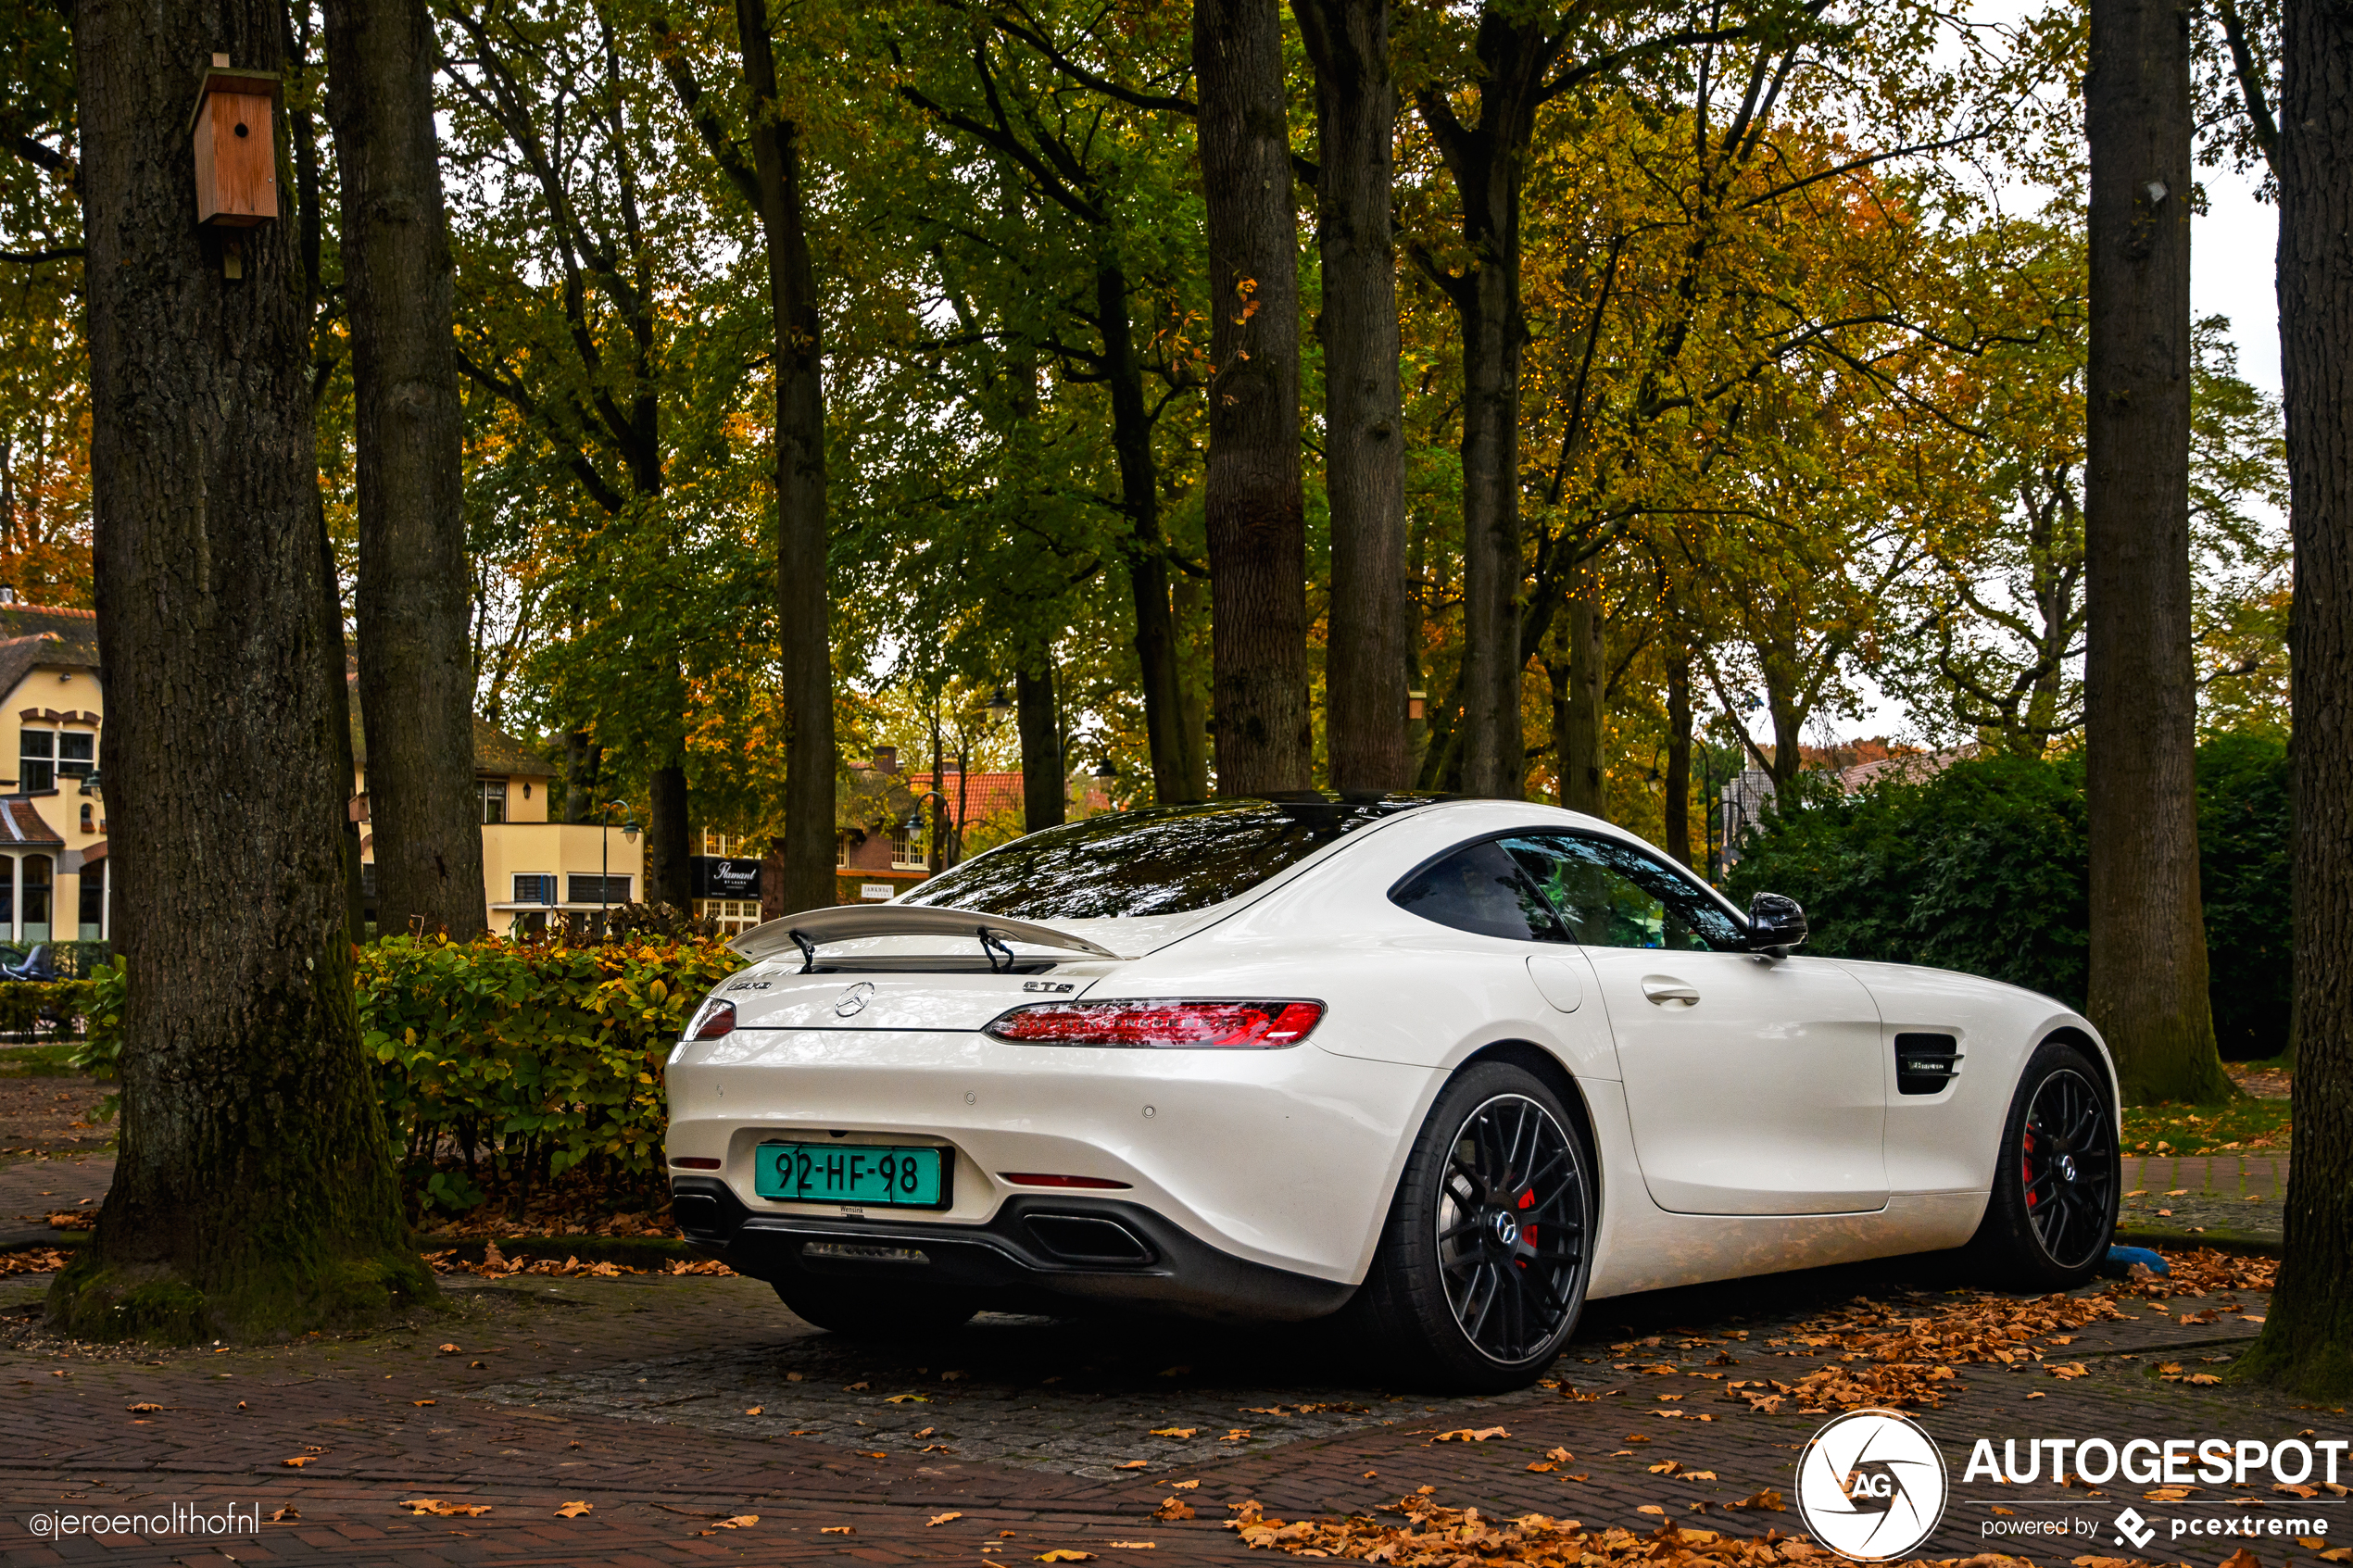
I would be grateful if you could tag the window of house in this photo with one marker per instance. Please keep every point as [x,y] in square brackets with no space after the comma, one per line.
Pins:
[841,850]
[77,754]
[535,888]
[597,890]
[36,761]
[368,881]
[734,915]
[92,913]
[907,849]
[722,845]
[89,818]
[36,870]
[493,801]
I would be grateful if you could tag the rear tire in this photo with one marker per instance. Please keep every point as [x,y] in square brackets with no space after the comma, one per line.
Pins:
[1483,1261]
[860,1311]
[2057,1180]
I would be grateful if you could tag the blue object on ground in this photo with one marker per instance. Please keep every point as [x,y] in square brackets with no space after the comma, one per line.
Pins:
[2122,1258]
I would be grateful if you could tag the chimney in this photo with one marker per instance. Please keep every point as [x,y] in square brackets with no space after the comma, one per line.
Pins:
[885,759]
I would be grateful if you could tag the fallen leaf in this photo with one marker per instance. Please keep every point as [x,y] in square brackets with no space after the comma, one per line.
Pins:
[837,1530]
[2038,1394]
[1175,1431]
[2285,1491]
[574,1510]
[2011,1511]
[286,1515]
[1187,1486]
[1470,1435]
[2241,1559]
[1560,1455]
[451,1350]
[1133,1464]
[1236,1434]
[1650,1507]
[1667,1467]
[2169,1494]
[299,1461]
[1767,1499]
[741,1522]
[938,1519]
[143,1409]
[856,1387]
[1134,1546]
[755,1409]
[420,1402]
[903,1399]
[1173,1508]
[1541,1467]
[1063,1554]
[444,1510]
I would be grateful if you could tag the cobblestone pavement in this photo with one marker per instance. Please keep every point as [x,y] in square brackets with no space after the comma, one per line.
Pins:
[632,1395]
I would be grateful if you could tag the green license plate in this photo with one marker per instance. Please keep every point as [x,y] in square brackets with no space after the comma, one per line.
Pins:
[834,1173]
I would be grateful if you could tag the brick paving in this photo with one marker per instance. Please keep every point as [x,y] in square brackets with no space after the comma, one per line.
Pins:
[541,1405]
[2237,1194]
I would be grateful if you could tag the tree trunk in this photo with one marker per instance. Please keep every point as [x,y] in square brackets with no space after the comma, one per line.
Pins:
[2148,973]
[584,776]
[669,879]
[255,1196]
[1251,490]
[1044,781]
[803,595]
[1493,759]
[1678,823]
[1367,653]
[336,669]
[416,664]
[1188,615]
[1131,440]
[1584,783]
[2307,1331]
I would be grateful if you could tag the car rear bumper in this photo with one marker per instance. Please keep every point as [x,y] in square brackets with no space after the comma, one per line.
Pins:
[1282,1158]
[1084,1247]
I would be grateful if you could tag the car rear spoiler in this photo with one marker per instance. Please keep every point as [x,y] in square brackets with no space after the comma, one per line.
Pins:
[811,927]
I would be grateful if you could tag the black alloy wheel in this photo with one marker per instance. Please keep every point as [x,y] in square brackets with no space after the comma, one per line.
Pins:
[1483,1264]
[2057,1177]
[1510,1229]
[2066,1169]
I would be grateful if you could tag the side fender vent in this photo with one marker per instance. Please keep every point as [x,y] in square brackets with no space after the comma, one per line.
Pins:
[1926,1063]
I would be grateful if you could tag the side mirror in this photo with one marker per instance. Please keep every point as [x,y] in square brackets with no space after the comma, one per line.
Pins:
[1775,923]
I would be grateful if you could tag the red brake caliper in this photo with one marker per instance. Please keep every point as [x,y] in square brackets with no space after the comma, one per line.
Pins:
[1527,1201]
[2026,1164]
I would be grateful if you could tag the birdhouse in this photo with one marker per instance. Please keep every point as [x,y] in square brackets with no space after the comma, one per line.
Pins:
[236,146]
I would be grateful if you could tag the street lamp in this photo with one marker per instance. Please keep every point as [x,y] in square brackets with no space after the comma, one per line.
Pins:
[604,860]
[999,704]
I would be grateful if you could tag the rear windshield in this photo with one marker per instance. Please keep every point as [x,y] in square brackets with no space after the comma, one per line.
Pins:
[1162,861]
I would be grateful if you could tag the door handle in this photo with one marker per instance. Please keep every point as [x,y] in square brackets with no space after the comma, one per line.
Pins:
[1665,990]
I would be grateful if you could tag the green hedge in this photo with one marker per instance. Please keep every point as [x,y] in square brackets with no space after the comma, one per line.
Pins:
[534,1058]
[1983,868]
[42,1007]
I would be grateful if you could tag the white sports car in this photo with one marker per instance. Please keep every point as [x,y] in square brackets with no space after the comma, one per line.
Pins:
[1450,1067]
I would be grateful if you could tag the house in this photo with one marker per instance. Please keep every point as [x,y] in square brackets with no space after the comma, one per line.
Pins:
[533,868]
[882,821]
[54,879]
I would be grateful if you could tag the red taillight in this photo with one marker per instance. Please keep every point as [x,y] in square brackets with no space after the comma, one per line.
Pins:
[712,1020]
[695,1162]
[1162,1025]
[1036,1179]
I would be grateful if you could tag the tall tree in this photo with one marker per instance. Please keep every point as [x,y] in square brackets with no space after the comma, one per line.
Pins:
[771,181]
[416,665]
[1366,651]
[2146,986]
[1251,493]
[2307,1329]
[256,1195]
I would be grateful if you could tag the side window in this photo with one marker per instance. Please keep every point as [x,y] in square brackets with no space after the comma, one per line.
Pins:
[1614,896]
[1479,888]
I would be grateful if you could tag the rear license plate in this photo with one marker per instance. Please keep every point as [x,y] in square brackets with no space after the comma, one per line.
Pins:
[833,1173]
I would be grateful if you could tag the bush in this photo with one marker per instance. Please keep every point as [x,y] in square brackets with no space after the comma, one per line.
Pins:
[547,1056]
[1983,868]
[537,1059]
[33,1007]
